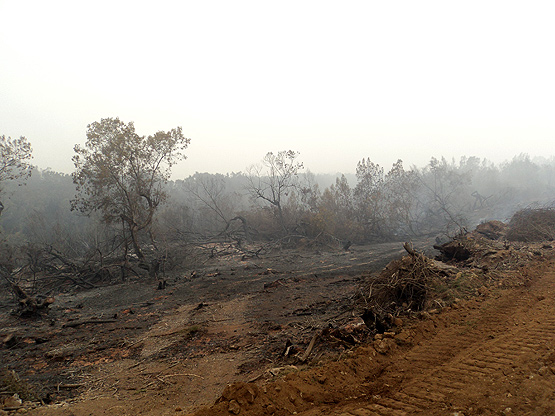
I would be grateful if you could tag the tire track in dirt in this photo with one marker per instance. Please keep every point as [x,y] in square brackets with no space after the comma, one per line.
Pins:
[460,367]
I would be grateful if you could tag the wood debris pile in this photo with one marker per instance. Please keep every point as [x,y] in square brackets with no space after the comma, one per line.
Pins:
[404,286]
[465,266]
[530,225]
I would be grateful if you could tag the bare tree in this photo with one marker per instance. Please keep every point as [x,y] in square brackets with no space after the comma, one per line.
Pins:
[273,181]
[209,195]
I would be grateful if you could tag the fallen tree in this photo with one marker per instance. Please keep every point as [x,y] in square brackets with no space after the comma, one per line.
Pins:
[27,305]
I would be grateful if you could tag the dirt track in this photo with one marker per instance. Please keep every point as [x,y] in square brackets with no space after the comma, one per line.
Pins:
[493,355]
[493,358]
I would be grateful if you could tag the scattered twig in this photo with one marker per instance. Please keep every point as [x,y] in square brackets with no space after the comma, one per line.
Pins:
[181,375]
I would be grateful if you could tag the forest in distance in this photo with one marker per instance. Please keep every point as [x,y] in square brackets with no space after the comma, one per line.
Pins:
[127,209]
[445,196]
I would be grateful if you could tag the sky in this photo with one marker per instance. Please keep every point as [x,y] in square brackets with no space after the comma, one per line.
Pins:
[335,81]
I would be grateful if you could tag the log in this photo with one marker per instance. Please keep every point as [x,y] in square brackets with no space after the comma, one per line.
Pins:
[410,249]
[87,321]
[306,354]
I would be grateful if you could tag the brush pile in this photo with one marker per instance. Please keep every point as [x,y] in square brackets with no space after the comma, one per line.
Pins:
[404,286]
[530,225]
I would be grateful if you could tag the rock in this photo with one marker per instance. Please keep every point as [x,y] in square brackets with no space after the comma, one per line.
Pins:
[543,371]
[10,340]
[12,401]
[492,230]
[425,315]
[282,370]
[383,346]
[377,337]
[388,334]
[250,394]
[234,407]
[241,393]
[398,322]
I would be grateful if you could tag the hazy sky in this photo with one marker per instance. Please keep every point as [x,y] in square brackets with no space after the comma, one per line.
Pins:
[336,81]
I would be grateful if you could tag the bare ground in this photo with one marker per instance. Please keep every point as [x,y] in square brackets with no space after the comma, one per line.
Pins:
[160,350]
[202,340]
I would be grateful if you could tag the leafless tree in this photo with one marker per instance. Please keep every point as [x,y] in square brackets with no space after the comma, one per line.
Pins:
[273,181]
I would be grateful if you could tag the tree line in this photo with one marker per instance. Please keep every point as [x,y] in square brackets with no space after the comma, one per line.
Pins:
[121,207]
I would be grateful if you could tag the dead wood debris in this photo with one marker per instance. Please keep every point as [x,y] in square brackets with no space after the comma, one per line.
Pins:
[75,324]
[404,285]
[529,225]
[11,383]
[310,347]
[466,264]
[30,306]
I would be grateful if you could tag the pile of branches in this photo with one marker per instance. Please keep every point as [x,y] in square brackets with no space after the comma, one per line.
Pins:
[404,285]
[48,271]
[27,305]
[532,224]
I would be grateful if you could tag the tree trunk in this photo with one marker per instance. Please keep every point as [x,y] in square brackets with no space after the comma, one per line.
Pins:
[280,217]
[133,229]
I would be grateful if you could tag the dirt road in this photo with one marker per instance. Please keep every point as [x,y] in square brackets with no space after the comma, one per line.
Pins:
[495,359]
[494,355]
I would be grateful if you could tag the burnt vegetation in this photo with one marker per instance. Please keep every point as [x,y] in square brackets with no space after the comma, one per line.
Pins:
[120,216]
